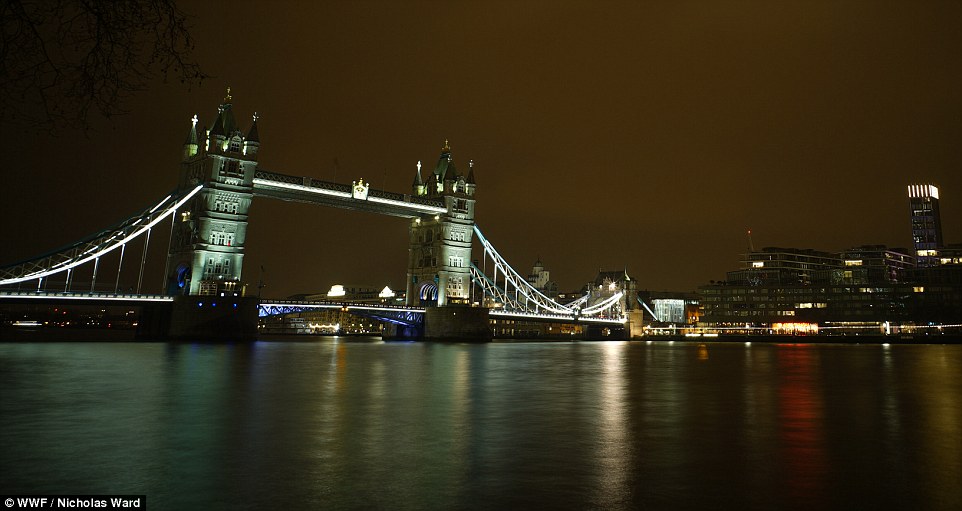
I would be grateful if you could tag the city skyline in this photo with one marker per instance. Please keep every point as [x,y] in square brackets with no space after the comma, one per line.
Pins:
[646,137]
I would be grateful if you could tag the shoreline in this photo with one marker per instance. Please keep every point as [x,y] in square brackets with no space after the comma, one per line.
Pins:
[920,339]
[130,335]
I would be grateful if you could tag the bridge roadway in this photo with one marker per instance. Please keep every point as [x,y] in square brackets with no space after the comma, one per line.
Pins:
[280,307]
[35,297]
[400,314]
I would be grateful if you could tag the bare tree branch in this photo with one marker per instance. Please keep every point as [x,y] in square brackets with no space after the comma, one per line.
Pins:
[62,60]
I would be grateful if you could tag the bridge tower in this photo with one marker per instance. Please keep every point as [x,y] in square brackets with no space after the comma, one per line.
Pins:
[605,286]
[207,241]
[439,265]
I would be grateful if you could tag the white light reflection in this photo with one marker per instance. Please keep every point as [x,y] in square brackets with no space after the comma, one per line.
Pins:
[614,450]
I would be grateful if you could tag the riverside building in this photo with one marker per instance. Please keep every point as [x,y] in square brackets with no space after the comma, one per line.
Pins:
[870,288]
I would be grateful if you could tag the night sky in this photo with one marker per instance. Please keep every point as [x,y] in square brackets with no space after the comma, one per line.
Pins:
[605,135]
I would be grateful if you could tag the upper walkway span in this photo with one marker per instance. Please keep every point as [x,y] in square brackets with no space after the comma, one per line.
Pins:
[357,196]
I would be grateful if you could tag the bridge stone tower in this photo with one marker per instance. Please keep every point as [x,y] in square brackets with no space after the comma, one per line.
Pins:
[439,265]
[207,242]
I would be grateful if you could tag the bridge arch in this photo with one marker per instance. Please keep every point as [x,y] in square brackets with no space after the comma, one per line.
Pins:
[428,294]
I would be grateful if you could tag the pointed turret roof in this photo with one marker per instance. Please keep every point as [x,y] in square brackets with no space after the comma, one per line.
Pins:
[227,118]
[471,173]
[225,124]
[417,176]
[445,169]
[192,134]
[252,135]
[218,127]
[613,276]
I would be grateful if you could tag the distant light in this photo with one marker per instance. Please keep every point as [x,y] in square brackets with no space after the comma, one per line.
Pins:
[924,191]
[336,291]
[386,293]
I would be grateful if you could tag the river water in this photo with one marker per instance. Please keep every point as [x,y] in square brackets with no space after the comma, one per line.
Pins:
[361,424]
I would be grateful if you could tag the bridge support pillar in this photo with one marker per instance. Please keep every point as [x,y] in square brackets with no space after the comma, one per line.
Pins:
[606,333]
[212,318]
[395,332]
[154,321]
[457,323]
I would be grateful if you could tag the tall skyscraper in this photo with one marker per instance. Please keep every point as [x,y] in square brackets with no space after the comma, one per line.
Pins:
[926,223]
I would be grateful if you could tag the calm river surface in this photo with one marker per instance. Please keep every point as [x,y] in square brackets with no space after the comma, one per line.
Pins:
[362,424]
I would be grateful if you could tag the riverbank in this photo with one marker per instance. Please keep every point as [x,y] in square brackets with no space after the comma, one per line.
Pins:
[811,339]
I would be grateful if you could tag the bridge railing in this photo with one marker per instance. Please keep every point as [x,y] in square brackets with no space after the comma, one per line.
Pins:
[92,296]
[309,182]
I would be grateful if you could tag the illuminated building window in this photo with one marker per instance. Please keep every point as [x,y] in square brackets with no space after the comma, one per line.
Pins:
[221,238]
[208,287]
[758,264]
[226,204]
[232,168]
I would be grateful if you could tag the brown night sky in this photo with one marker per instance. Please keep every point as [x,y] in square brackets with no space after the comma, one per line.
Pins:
[604,134]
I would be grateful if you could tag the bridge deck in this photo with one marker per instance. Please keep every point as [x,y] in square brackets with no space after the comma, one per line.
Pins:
[288,307]
[21,297]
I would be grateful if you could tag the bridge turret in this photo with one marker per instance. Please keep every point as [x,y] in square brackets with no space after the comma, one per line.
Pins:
[252,142]
[207,245]
[216,138]
[191,145]
[469,185]
[439,269]
[418,188]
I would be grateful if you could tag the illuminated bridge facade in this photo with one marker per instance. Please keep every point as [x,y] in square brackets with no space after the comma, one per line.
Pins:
[208,214]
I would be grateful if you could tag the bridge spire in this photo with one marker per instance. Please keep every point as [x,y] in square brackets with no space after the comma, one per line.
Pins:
[191,145]
[443,171]
[252,141]
[418,185]
[252,135]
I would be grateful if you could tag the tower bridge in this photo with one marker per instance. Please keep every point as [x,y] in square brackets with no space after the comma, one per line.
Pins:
[208,213]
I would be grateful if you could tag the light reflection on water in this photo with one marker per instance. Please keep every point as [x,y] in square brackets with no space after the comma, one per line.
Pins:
[505,425]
